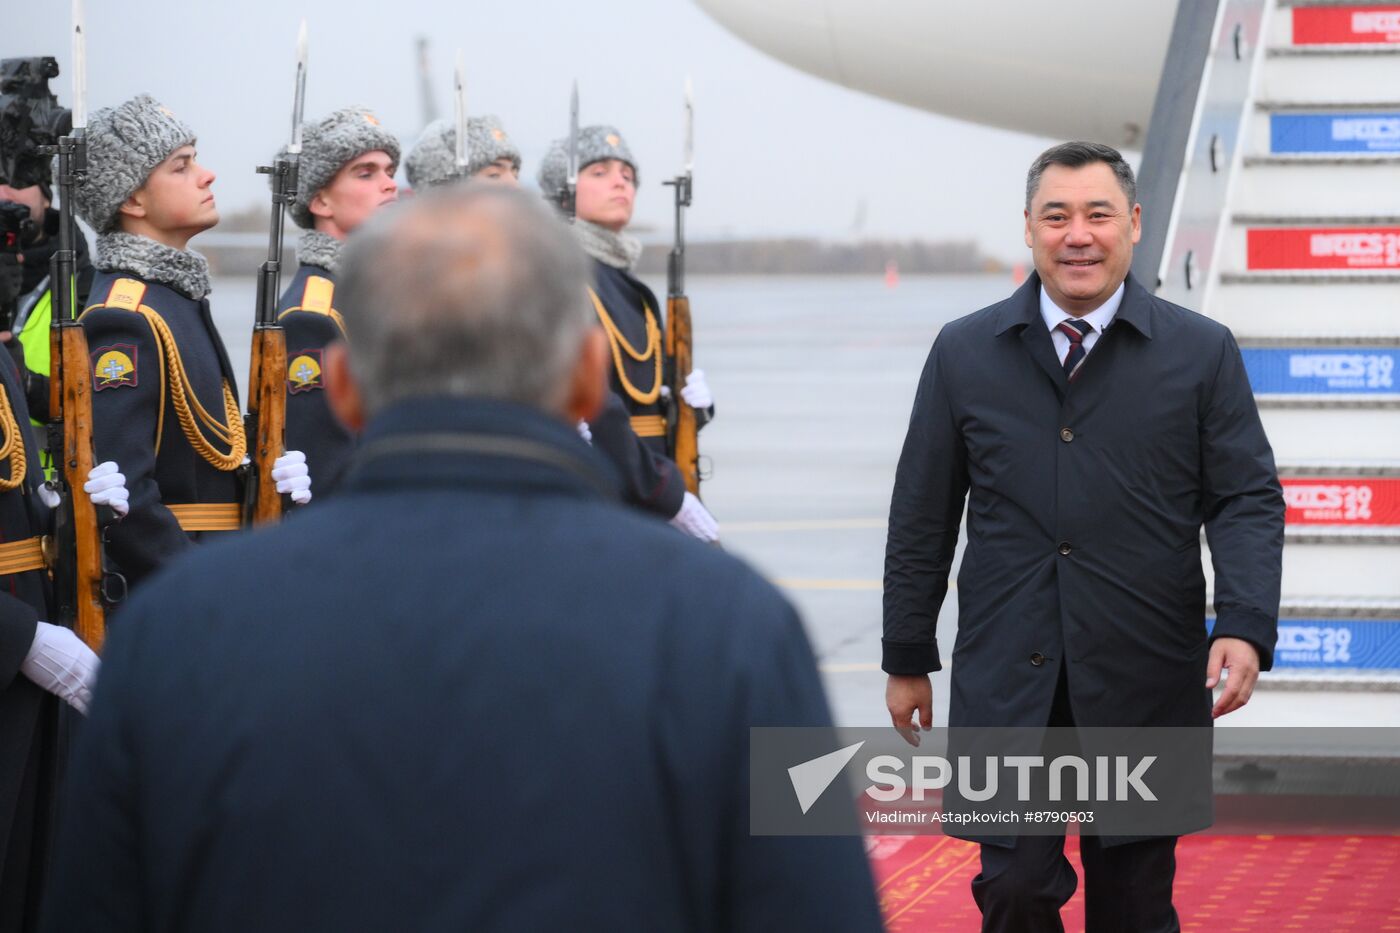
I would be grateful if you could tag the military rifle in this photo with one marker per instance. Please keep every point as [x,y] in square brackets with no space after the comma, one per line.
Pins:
[460,158]
[569,204]
[682,433]
[266,421]
[82,590]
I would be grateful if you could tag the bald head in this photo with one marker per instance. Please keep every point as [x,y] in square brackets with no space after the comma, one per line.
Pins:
[473,291]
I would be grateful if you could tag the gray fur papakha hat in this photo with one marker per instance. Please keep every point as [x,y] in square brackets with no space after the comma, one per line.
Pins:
[433,158]
[595,144]
[327,145]
[125,143]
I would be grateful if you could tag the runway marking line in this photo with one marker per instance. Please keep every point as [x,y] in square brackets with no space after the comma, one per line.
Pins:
[809,524]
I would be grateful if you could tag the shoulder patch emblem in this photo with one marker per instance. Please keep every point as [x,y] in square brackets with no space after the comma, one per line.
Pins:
[114,367]
[304,371]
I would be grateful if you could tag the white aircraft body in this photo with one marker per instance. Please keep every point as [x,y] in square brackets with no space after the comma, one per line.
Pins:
[1072,69]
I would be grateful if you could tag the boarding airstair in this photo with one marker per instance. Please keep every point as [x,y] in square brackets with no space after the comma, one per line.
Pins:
[1285,225]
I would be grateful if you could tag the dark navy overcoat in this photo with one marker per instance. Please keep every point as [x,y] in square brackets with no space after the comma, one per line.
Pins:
[467,693]
[1085,504]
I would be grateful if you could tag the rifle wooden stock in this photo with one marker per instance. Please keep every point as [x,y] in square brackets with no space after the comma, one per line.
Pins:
[685,442]
[267,422]
[70,399]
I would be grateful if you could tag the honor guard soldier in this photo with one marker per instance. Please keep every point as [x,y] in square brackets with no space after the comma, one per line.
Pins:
[346,173]
[40,663]
[164,399]
[491,156]
[631,430]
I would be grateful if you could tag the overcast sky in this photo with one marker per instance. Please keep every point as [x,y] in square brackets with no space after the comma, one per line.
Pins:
[777,152]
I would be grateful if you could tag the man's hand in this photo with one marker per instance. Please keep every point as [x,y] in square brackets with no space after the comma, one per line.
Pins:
[290,473]
[60,663]
[1241,660]
[906,694]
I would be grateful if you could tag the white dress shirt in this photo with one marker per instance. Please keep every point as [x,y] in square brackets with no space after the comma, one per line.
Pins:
[1098,319]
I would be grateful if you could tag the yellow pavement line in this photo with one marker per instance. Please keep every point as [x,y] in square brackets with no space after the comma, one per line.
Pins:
[853,667]
[813,583]
[817,524]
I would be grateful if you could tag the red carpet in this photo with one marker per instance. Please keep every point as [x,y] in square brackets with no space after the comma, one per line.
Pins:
[1314,883]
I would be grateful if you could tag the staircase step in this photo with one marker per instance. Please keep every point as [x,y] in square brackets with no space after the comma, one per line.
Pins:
[1353,186]
[1337,572]
[1274,305]
[1343,680]
[1335,50]
[1319,160]
[1312,245]
[1334,22]
[1315,80]
[1303,432]
[1320,373]
[1332,106]
[1322,646]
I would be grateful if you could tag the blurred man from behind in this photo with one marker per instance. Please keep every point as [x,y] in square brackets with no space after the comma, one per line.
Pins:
[432,703]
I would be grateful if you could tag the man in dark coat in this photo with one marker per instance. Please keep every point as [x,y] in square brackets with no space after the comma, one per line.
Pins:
[513,736]
[1097,429]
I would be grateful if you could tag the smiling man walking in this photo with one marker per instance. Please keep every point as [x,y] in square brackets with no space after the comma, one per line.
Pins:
[1092,430]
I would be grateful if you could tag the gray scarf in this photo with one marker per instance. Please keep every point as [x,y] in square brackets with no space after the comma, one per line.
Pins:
[321,250]
[611,249]
[183,270]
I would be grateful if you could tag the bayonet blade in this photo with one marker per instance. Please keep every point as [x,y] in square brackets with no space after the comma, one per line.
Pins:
[299,100]
[459,96]
[689,126]
[573,138]
[79,66]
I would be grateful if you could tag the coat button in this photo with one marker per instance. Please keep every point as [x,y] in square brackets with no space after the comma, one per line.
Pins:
[1066,435]
[1065,549]
[1037,659]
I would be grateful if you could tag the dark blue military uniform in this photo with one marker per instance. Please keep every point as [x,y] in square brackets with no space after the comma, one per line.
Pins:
[30,733]
[308,315]
[631,431]
[165,407]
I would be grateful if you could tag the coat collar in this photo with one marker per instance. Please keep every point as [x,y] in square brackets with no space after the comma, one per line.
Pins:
[1023,307]
[441,440]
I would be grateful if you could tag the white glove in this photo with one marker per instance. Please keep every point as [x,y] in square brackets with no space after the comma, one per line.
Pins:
[60,663]
[695,520]
[107,486]
[49,496]
[697,391]
[584,431]
[292,477]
